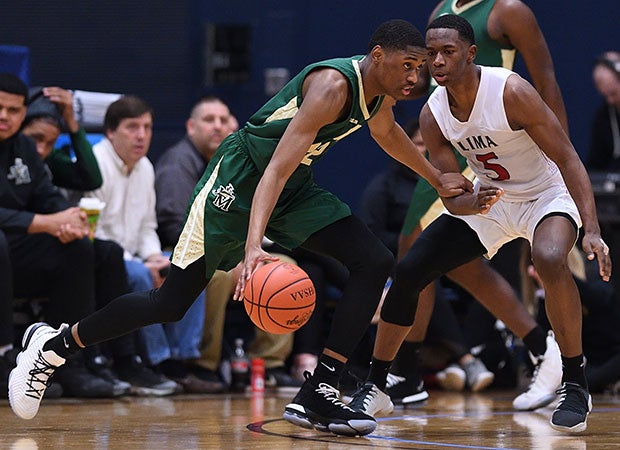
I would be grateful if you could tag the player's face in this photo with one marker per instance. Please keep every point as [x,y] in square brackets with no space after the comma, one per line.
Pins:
[447,54]
[12,114]
[401,69]
[44,135]
[132,138]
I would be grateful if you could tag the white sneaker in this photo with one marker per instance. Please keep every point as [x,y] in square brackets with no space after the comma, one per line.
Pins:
[452,378]
[477,375]
[28,380]
[546,379]
[371,400]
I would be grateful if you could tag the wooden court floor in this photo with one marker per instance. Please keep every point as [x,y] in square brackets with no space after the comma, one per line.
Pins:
[445,421]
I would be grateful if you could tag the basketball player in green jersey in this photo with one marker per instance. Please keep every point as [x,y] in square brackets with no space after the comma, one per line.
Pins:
[501,27]
[259,182]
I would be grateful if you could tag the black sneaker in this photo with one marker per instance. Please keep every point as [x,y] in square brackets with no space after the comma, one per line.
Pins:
[571,414]
[278,378]
[405,391]
[101,366]
[77,381]
[318,405]
[144,381]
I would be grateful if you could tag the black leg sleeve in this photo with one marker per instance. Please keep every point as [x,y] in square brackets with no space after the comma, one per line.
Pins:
[369,263]
[446,243]
[138,309]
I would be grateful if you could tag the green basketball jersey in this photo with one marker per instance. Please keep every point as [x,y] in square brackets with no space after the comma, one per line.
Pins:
[490,53]
[264,129]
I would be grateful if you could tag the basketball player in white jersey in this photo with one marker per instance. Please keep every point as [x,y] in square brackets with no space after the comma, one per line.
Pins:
[531,184]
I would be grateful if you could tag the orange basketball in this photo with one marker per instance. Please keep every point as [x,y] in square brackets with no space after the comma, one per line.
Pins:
[279,297]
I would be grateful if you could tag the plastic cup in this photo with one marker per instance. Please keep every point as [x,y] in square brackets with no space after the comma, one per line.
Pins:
[92,207]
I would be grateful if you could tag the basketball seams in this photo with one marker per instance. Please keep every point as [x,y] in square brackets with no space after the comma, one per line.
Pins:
[262,287]
[285,318]
[283,288]
[268,308]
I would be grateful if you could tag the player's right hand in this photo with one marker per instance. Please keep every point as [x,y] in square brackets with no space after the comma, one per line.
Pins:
[254,258]
[452,184]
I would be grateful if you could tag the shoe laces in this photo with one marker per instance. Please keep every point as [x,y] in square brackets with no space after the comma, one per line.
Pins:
[363,396]
[331,394]
[393,380]
[40,375]
[572,398]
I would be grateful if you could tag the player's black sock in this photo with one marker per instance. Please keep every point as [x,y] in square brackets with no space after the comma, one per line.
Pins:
[536,341]
[378,372]
[573,370]
[63,344]
[328,370]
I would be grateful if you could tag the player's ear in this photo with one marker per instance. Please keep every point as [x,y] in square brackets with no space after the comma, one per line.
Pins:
[376,53]
[471,53]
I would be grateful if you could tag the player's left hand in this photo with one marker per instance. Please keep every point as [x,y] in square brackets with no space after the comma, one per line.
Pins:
[592,245]
[452,184]
[254,258]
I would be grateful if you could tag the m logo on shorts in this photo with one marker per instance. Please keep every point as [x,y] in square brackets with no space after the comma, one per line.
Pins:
[224,196]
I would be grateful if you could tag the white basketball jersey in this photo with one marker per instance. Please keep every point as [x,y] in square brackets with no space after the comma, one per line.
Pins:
[498,155]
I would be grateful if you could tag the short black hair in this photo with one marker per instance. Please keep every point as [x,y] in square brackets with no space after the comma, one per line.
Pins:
[396,34]
[13,85]
[451,21]
[126,107]
[207,99]
[42,108]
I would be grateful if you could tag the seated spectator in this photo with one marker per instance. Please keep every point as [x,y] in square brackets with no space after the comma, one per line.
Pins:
[176,173]
[75,168]
[129,219]
[44,245]
[604,154]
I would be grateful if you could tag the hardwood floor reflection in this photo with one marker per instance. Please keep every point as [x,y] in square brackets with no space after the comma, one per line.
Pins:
[446,420]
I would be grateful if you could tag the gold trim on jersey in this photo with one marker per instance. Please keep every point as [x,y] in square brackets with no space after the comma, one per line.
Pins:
[287,111]
[191,242]
[360,84]
[460,9]
[508,58]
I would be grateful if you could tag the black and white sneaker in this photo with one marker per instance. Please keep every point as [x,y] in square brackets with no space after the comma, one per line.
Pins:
[29,379]
[318,405]
[405,391]
[371,400]
[571,414]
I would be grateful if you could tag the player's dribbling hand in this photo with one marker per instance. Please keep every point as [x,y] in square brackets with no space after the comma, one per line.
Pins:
[593,245]
[452,184]
[254,258]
